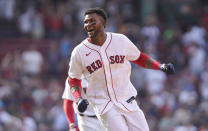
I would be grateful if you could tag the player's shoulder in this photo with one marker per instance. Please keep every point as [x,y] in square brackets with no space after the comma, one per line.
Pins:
[118,35]
[79,46]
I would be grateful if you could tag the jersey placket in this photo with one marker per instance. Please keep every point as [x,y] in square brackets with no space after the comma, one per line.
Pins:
[105,49]
[106,66]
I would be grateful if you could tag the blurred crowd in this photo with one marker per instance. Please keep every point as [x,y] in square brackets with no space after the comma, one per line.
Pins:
[32,78]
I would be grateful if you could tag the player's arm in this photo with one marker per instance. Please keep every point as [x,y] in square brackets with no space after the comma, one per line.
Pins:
[69,112]
[75,74]
[75,87]
[141,59]
[149,63]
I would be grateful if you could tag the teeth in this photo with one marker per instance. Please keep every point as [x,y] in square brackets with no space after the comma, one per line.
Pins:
[90,30]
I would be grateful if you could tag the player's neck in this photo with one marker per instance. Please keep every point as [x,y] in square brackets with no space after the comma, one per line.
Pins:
[99,39]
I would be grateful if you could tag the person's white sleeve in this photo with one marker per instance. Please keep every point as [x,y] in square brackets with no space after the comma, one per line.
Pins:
[75,65]
[67,93]
[132,52]
[84,83]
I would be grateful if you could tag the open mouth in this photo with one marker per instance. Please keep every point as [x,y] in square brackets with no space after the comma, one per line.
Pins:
[91,32]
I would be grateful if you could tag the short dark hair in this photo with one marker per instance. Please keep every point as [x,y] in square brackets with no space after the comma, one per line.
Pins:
[98,11]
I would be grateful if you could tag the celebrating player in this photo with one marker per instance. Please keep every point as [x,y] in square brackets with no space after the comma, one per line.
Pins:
[104,59]
[87,121]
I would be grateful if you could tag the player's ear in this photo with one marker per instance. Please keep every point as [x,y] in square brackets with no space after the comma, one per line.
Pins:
[103,21]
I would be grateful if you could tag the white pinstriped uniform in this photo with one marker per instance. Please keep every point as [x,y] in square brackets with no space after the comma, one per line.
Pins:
[107,70]
[85,123]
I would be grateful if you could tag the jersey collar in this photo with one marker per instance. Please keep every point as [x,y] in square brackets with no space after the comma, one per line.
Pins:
[96,47]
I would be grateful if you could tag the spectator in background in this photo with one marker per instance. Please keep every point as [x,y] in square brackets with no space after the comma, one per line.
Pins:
[155,81]
[29,123]
[53,60]
[8,121]
[53,19]
[196,34]
[65,47]
[25,21]
[57,114]
[197,57]
[7,9]
[37,24]
[31,22]
[11,65]
[186,127]
[150,31]
[204,18]
[203,85]
[32,60]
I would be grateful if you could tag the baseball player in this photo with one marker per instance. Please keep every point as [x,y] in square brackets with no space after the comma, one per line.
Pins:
[104,59]
[87,121]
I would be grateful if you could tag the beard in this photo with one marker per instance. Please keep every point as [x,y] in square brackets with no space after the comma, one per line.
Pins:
[93,33]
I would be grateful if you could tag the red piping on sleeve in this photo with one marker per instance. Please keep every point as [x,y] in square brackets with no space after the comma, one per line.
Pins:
[142,60]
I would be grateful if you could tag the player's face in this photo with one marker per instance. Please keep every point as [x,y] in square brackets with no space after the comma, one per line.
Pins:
[93,24]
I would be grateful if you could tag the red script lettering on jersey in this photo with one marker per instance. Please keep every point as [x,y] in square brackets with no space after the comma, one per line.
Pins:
[117,59]
[94,66]
[98,64]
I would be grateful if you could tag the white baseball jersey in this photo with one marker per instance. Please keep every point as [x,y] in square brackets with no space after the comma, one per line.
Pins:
[107,70]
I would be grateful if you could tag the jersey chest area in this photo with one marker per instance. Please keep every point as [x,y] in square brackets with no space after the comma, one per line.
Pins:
[96,59]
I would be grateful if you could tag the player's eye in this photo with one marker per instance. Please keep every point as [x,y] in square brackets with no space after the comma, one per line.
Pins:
[93,22]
